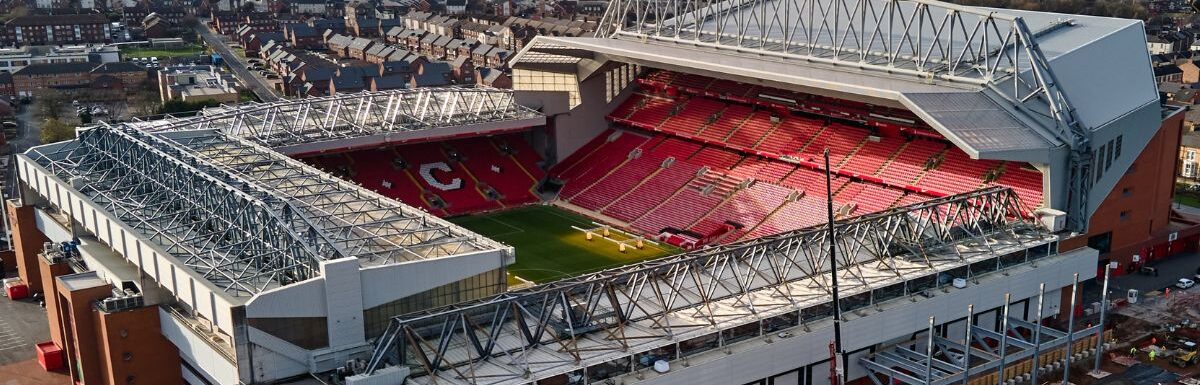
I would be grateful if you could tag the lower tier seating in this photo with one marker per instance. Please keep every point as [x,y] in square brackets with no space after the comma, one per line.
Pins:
[447,178]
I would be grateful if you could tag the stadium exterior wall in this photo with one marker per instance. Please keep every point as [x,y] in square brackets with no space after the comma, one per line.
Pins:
[896,321]
[579,123]
[1136,213]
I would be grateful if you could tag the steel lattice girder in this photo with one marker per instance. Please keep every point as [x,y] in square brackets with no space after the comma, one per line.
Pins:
[219,226]
[245,217]
[357,222]
[307,120]
[663,300]
[909,361]
[926,39]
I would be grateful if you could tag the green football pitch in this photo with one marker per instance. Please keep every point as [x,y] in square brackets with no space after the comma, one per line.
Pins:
[548,248]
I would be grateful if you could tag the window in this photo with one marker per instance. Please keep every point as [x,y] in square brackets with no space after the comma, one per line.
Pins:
[1125,192]
[1102,242]
[1125,215]
[1191,155]
[1108,156]
[1189,169]
[1120,138]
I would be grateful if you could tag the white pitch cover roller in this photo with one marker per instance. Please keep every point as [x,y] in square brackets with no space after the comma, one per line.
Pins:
[662,366]
[960,283]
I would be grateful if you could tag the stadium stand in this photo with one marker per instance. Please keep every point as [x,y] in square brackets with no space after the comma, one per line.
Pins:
[728,161]
[447,178]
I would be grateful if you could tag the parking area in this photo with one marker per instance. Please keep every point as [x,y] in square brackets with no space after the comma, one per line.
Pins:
[22,325]
[1169,272]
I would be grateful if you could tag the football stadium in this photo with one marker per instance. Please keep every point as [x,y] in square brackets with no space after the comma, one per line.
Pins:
[649,205]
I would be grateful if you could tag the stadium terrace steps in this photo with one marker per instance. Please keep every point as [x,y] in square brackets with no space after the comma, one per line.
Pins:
[655,190]
[871,155]
[1026,183]
[761,163]
[731,118]
[692,116]
[466,198]
[632,104]
[620,181]
[717,158]
[524,155]
[600,163]
[748,207]
[909,164]
[681,210]
[605,205]
[956,173]
[486,164]
[751,131]
[801,213]
[567,166]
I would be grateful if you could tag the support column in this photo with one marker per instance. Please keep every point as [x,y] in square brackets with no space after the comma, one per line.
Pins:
[50,270]
[27,243]
[78,293]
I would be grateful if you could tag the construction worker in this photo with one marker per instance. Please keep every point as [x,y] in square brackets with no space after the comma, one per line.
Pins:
[1133,350]
[1152,354]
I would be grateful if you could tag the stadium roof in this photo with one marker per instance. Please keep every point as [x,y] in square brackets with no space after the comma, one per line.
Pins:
[244,217]
[1021,79]
[537,333]
[308,125]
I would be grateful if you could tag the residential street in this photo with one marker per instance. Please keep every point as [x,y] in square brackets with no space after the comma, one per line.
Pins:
[264,91]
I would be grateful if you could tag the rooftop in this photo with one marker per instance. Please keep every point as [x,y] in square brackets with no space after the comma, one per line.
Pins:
[244,217]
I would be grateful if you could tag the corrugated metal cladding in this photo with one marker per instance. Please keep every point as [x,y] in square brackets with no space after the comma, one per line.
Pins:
[978,121]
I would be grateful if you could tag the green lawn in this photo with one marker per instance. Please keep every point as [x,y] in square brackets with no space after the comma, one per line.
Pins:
[1187,199]
[132,52]
[549,249]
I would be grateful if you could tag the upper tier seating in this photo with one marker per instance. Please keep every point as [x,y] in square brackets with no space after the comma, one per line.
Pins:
[721,159]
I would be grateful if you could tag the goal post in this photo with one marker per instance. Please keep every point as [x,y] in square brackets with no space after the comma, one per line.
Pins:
[622,239]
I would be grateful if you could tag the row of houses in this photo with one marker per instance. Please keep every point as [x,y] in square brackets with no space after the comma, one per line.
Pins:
[103,76]
[441,47]
[310,74]
[59,29]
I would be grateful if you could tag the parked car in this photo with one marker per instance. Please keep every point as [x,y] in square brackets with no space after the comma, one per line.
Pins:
[1185,283]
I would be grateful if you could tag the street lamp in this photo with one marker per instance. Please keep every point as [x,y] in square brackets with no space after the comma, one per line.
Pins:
[1103,309]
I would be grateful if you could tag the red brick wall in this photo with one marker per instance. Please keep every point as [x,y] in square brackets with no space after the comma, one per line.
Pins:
[131,345]
[1151,188]
[27,243]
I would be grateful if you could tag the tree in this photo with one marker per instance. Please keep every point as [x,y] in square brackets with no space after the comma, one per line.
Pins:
[181,108]
[190,21]
[54,130]
[49,104]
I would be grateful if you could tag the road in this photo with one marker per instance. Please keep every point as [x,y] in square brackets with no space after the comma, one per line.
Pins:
[29,134]
[247,78]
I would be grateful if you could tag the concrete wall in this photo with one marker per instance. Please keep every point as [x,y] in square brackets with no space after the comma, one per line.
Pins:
[586,120]
[196,353]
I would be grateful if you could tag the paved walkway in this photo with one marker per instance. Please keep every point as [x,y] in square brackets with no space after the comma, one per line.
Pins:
[22,325]
[28,372]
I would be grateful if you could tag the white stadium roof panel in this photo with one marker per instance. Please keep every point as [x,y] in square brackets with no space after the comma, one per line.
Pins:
[247,218]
